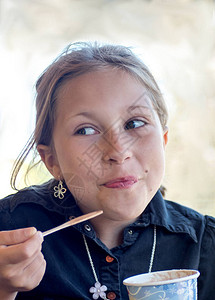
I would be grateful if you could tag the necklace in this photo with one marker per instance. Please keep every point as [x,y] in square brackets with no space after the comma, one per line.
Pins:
[99,290]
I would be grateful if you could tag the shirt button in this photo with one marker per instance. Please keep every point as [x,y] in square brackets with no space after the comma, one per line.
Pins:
[111,295]
[130,232]
[109,259]
[87,227]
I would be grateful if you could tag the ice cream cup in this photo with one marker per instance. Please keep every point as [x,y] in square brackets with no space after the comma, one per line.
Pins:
[166,285]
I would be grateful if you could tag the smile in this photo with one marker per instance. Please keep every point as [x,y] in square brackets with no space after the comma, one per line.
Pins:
[121,183]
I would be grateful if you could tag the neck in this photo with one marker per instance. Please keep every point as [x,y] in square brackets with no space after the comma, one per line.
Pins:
[110,232]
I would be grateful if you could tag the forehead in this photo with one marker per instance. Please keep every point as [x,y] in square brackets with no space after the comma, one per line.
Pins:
[102,86]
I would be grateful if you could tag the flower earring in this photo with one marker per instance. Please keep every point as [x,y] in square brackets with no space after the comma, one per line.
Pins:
[59,190]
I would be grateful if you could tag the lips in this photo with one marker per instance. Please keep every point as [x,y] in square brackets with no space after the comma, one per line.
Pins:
[121,183]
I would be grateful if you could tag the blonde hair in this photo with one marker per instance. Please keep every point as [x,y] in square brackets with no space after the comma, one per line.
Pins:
[75,60]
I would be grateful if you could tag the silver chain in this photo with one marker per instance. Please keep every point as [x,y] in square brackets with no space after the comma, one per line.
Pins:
[151,259]
[90,259]
[153,249]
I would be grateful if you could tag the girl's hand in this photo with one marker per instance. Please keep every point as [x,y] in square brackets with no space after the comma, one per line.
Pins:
[22,264]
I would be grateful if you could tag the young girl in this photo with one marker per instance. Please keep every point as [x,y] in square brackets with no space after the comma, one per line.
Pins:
[101,132]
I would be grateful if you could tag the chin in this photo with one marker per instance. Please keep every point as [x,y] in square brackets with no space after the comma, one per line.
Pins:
[125,215]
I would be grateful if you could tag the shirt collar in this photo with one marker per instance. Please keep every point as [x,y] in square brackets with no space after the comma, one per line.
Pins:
[174,217]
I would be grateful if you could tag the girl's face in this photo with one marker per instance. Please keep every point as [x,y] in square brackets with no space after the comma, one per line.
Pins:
[108,143]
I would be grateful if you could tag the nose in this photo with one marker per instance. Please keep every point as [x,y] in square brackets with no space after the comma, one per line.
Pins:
[116,148]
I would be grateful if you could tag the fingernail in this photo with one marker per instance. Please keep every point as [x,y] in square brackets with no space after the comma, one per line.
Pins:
[41,235]
[30,231]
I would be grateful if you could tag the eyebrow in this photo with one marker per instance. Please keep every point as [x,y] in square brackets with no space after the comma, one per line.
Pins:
[133,107]
[85,114]
[140,106]
[147,111]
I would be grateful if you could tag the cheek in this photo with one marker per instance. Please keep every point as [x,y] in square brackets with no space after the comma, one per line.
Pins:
[76,185]
[151,155]
[156,168]
[79,172]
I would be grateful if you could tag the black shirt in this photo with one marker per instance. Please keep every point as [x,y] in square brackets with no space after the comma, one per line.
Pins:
[185,239]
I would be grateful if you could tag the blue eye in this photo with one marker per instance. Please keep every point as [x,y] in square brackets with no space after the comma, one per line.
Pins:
[86,131]
[134,124]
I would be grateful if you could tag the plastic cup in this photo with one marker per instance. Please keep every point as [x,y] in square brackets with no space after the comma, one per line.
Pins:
[166,285]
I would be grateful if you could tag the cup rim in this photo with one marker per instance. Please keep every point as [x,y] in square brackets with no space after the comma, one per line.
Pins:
[130,281]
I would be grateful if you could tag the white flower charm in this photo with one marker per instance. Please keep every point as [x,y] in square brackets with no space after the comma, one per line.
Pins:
[98,291]
[59,190]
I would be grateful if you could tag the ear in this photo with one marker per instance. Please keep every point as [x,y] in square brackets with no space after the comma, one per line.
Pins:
[49,158]
[165,135]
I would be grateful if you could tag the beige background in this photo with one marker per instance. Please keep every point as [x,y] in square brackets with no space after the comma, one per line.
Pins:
[175,38]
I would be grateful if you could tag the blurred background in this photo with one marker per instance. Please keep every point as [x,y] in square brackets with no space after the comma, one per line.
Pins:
[175,38]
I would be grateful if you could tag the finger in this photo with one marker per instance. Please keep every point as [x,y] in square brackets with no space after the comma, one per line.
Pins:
[17,236]
[35,272]
[19,253]
[22,278]
[32,274]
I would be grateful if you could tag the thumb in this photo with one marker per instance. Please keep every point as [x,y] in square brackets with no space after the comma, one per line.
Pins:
[12,237]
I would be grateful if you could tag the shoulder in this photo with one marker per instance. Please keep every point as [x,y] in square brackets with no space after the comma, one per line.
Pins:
[203,225]
[210,229]
[187,213]
[24,207]
[37,194]
[178,218]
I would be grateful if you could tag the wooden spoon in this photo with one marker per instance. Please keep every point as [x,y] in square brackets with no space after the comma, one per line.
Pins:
[73,222]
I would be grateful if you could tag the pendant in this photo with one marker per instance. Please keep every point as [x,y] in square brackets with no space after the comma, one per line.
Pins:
[98,290]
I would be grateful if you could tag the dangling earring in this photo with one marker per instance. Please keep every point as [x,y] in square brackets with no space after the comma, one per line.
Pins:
[59,190]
